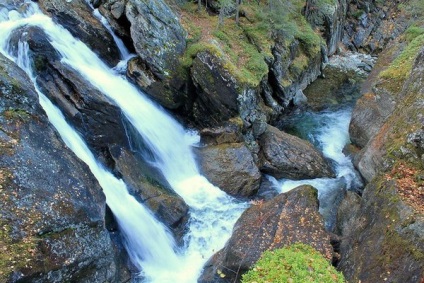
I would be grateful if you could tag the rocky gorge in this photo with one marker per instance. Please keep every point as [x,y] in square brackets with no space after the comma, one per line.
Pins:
[234,84]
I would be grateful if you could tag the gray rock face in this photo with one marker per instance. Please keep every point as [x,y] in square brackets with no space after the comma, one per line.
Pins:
[230,166]
[76,16]
[388,226]
[369,114]
[216,91]
[157,34]
[389,232]
[169,92]
[329,18]
[286,156]
[371,25]
[286,219]
[52,209]
[287,80]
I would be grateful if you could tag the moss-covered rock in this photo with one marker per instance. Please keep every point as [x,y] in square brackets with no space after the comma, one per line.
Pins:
[295,263]
[287,219]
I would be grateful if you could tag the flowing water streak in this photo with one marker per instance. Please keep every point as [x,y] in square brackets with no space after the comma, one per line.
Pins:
[213,213]
[148,241]
[328,131]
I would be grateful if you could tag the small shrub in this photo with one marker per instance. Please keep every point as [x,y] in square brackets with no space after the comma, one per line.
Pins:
[297,263]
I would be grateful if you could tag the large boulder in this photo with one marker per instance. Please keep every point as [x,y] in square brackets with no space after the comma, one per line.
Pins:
[286,219]
[157,35]
[77,17]
[216,90]
[286,156]
[51,208]
[230,166]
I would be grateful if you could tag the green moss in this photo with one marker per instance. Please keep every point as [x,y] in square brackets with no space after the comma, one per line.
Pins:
[413,32]
[358,13]
[401,67]
[297,263]
[16,114]
[245,48]
[14,255]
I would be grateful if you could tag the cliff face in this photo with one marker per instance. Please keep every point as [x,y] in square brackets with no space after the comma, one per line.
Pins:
[388,123]
[52,211]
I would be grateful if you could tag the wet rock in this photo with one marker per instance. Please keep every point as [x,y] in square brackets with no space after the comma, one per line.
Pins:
[286,156]
[76,16]
[267,189]
[230,166]
[151,188]
[51,207]
[286,219]
[349,206]
[99,120]
[168,92]
[340,81]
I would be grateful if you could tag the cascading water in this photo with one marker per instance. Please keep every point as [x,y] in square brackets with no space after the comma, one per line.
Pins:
[328,131]
[134,219]
[212,212]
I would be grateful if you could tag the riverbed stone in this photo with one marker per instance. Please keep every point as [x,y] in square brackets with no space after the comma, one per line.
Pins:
[230,166]
[286,156]
[288,218]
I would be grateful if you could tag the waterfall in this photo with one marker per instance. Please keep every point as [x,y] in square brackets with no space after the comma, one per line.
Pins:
[212,212]
[134,219]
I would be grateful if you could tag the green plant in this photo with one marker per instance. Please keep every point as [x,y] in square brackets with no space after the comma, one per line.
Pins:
[401,67]
[413,32]
[297,263]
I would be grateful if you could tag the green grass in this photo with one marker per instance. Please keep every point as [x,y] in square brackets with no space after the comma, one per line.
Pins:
[297,263]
